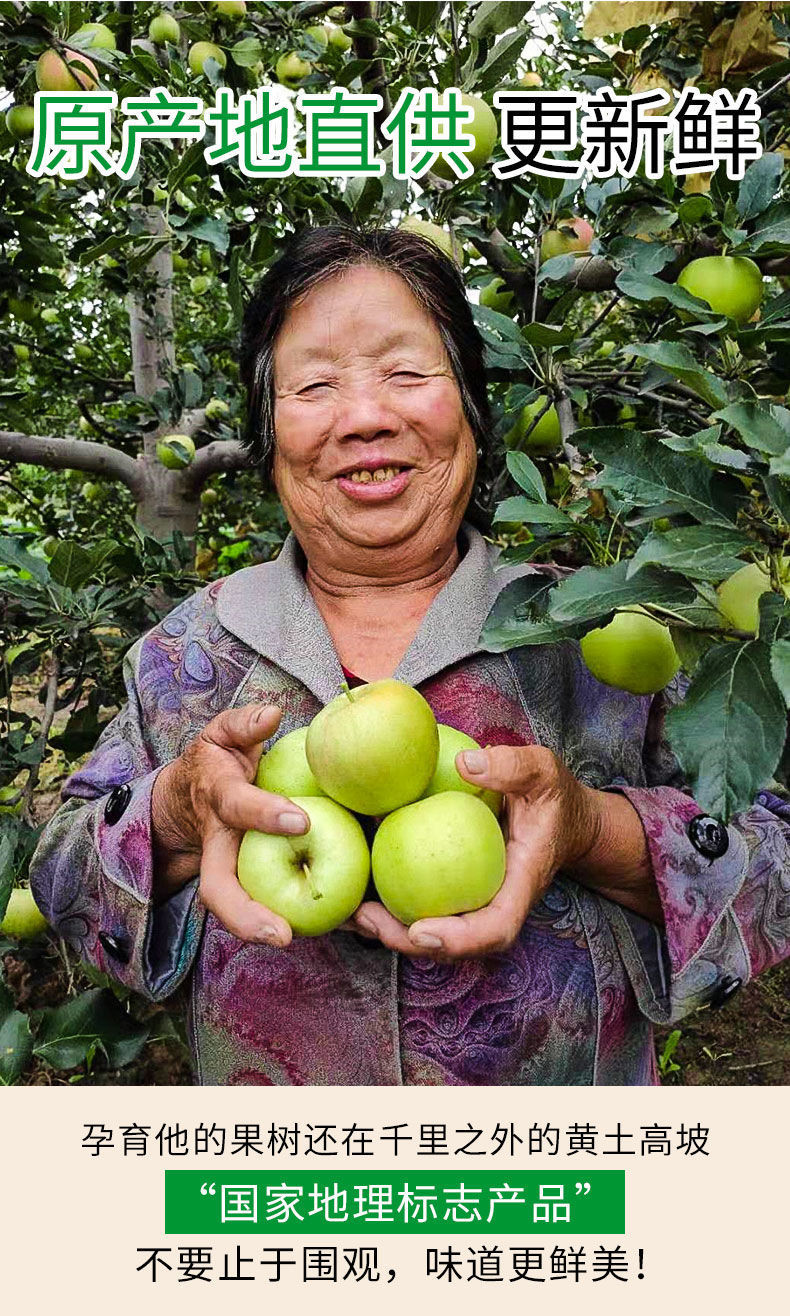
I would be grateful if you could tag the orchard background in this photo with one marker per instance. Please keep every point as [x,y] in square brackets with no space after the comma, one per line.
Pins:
[639,435]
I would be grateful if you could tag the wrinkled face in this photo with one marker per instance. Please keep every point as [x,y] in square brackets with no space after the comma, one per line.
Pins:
[372,445]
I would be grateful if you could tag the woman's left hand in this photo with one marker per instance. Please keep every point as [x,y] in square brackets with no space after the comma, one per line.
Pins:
[550,821]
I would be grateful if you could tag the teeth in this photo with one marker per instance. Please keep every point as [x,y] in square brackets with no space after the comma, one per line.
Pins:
[378,476]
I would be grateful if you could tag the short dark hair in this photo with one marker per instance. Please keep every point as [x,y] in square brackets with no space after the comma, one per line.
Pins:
[317,254]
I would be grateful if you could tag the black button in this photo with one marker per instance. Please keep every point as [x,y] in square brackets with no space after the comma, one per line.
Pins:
[117,947]
[727,988]
[117,803]
[709,836]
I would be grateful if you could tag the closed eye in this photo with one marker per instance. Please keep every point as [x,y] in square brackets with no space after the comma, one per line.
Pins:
[308,388]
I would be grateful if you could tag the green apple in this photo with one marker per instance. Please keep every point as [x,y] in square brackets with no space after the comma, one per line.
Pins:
[447,778]
[96,34]
[739,595]
[497,296]
[544,439]
[92,492]
[215,408]
[568,237]
[375,747]
[339,39]
[23,918]
[67,70]
[231,8]
[731,285]
[203,50]
[291,68]
[482,127]
[50,315]
[164,28]
[20,121]
[209,498]
[175,451]
[84,425]
[180,263]
[530,79]
[23,308]
[443,855]
[200,285]
[433,233]
[634,652]
[21,352]
[314,881]
[83,352]
[284,770]
[319,34]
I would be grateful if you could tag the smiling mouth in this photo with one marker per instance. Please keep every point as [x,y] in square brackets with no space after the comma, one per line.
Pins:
[378,476]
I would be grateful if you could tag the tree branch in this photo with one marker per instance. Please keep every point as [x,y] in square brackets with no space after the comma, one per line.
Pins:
[365,47]
[71,454]
[221,455]
[53,674]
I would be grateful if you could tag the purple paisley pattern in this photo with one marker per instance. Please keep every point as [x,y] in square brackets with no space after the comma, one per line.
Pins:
[571,1002]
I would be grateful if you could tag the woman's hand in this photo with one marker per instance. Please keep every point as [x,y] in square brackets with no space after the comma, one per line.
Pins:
[551,821]
[201,805]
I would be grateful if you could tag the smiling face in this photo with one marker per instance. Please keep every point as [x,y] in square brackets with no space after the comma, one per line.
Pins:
[372,447]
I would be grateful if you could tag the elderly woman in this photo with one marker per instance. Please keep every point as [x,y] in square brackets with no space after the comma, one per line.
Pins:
[621,904]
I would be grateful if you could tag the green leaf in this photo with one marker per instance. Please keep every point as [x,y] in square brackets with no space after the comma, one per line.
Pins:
[703,552]
[212,229]
[71,565]
[679,361]
[500,61]
[647,288]
[593,592]
[7,850]
[547,335]
[519,617]
[526,475]
[647,473]
[759,185]
[773,236]
[246,52]
[14,554]
[729,732]
[761,426]
[16,1046]
[780,667]
[495,16]
[69,1031]
[545,514]
[422,17]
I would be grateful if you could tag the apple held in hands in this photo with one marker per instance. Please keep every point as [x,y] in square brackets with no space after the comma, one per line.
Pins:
[284,770]
[375,747]
[314,881]
[447,778]
[443,855]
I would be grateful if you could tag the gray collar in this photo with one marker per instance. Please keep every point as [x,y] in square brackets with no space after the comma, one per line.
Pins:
[271,609]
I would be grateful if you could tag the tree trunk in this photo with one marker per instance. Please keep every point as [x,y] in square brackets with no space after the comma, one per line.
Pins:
[165,501]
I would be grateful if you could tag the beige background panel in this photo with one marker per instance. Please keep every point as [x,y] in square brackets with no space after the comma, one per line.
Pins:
[713,1228]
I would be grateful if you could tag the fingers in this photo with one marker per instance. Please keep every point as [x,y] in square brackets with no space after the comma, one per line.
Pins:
[222,895]
[521,769]
[243,728]
[246,807]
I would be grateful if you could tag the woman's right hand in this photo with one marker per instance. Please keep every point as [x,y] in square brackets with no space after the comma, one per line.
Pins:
[201,805]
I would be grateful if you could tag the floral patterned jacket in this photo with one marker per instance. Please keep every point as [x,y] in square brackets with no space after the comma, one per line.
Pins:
[573,1000]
